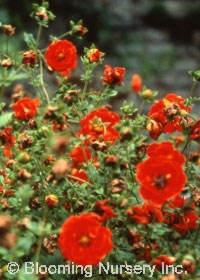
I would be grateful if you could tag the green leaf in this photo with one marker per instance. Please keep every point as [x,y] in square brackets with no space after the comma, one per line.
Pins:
[29,39]
[5,119]
[197,169]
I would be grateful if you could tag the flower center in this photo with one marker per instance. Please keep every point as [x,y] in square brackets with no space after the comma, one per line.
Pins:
[61,56]
[26,110]
[161,181]
[84,240]
[98,126]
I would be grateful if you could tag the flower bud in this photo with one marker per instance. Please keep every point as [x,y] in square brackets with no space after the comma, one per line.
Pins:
[136,83]
[147,94]
[51,200]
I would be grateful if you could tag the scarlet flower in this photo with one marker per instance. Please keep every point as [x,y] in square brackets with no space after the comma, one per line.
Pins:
[84,240]
[79,176]
[155,128]
[167,260]
[113,76]
[8,141]
[182,222]
[166,149]
[195,133]
[136,83]
[105,211]
[167,113]
[145,214]
[160,179]
[79,156]
[26,108]
[94,55]
[61,56]
[100,123]
[29,58]
[178,202]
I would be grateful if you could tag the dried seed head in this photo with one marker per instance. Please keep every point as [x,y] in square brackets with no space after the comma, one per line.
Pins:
[50,112]
[5,224]
[60,144]
[23,174]
[29,58]
[196,196]
[50,243]
[8,29]
[60,169]
[32,124]
[98,145]
[111,160]
[34,203]
[172,110]
[8,241]
[118,185]
[7,63]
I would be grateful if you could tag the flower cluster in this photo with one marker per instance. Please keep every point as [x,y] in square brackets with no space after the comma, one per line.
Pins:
[85,184]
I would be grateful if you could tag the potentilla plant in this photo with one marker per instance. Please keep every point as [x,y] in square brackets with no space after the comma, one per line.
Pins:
[87,192]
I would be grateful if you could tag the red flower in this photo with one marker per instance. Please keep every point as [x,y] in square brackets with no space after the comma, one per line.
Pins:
[145,214]
[136,83]
[113,76]
[166,149]
[105,211]
[84,240]
[181,222]
[94,55]
[178,202]
[186,221]
[163,259]
[167,113]
[26,108]
[80,156]
[79,177]
[195,133]
[100,123]
[154,128]
[160,179]
[8,141]
[61,56]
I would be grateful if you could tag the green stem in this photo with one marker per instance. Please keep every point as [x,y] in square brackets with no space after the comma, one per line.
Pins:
[186,145]
[84,89]
[141,107]
[6,50]
[42,84]
[38,35]
[41,236]
[63,35]
[192,89]
[132,175]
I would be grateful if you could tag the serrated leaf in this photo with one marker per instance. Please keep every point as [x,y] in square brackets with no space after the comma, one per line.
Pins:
[197,169]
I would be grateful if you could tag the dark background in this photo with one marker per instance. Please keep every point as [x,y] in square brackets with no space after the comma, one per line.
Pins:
[158,39]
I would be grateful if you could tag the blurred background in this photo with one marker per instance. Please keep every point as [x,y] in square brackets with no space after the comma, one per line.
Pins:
[159,39]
